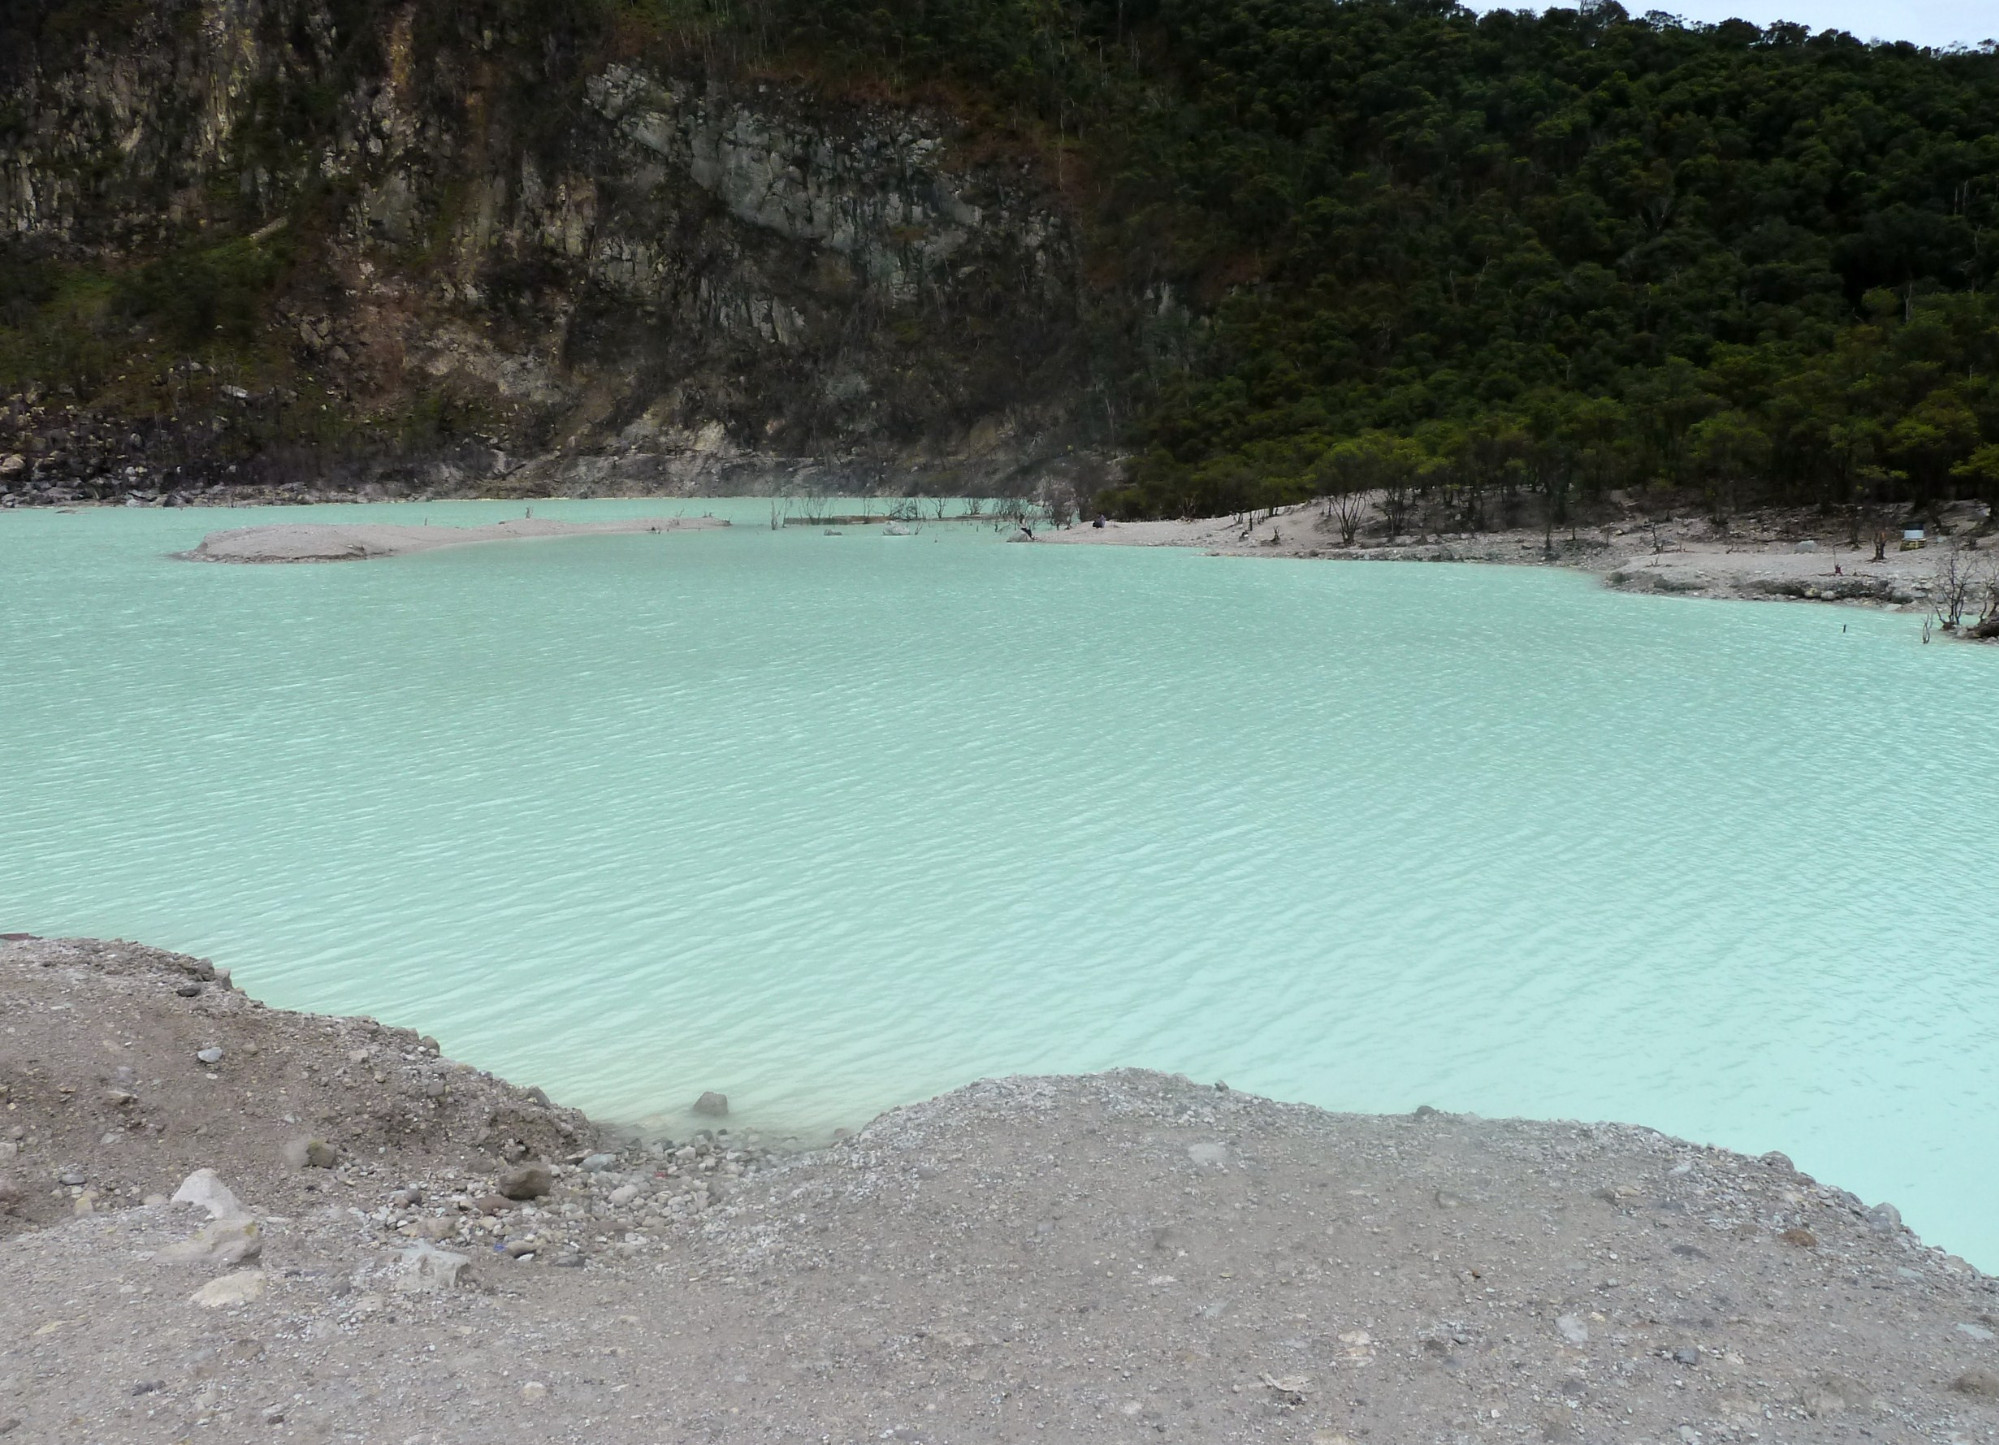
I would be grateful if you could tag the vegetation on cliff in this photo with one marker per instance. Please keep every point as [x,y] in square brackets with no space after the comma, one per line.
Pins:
[1385,242]
[1380,243]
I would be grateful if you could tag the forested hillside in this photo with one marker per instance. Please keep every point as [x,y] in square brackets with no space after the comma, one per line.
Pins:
[1373,243]
[1385,238]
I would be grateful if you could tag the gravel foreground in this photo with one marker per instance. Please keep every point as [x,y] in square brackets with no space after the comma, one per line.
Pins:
[1126,1256]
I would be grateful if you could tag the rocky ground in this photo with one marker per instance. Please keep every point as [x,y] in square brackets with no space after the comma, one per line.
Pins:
[1127,1256]
[1766,556]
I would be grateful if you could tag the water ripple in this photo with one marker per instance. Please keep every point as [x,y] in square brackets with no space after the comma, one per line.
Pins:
[832,824]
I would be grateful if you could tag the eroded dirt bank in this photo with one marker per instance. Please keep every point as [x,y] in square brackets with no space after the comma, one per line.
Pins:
[1127,1256]
[1764,557]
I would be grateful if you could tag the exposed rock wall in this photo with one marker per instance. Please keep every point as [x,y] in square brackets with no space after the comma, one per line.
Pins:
[617,278]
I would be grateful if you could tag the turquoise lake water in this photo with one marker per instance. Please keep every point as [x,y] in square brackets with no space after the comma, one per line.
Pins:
[835,823]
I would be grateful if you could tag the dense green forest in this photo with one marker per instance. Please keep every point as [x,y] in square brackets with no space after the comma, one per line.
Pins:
[1336,244]
[1386,242]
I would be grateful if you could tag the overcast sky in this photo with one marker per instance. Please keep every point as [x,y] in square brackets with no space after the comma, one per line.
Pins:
[1926,22]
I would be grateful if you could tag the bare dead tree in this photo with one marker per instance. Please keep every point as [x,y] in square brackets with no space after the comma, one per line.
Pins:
[1957,578]
[1398,496]
[1348,511]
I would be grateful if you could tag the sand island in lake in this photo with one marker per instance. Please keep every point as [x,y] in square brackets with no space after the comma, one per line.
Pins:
[360,541]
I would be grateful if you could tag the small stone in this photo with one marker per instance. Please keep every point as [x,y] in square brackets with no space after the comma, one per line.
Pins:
[526,1181]
[492,1203]
[1447,1200]
[1687,1355]
[624,1194]
[72,1177]
[518,1248]
[1801,1237]
[427,1269]
[534,1390]
[209,1055]
[204,1189]
[147,1387]
[1572,1329]
[567,1261]
[1884,1218]
[307,1152]
[1975,1332]
[10,1193]
[1982,1383]
[598,1163]
[230,1290]
[712,1103]
[193,990]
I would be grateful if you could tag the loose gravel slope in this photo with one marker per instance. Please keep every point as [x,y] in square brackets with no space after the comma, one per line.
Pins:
[1126,1256]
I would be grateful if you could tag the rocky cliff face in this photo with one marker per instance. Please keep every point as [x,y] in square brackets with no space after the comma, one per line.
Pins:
[447,255]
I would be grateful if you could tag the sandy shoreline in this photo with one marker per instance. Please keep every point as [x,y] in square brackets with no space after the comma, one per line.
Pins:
[1685,557]
[361,541]
[1125,1256]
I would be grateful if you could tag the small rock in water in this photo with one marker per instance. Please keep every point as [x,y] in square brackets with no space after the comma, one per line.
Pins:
[712,1103]
[598,1163]
[1572,1329]
[526,1181]
[306,1152]
[209,1055]
[204,1189]
[230,1290]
